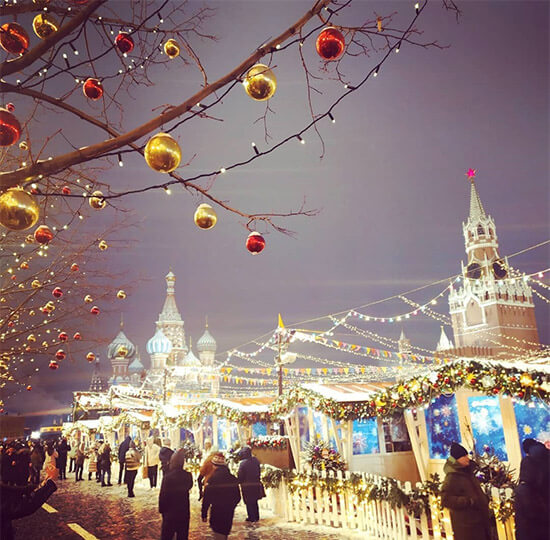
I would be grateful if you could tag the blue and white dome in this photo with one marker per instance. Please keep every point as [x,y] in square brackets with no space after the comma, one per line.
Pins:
[206,342]
[159,344]
[121,346]
[136,366]
[191,360]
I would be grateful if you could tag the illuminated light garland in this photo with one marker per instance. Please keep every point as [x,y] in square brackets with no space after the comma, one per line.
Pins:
[427,310]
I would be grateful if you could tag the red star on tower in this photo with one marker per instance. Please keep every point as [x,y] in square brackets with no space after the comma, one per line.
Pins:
[471,174]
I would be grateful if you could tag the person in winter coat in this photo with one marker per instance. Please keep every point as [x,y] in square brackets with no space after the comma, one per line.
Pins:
[22,464]
[132,464]
[93,457]
[205,472]
[152,460]
[174,499]
[531,496]
[461,493]
[249,479]
[165,455]
[122,449]
[36,464]
[221,496]
[17,502]
[62,450]
[50,463]
[80,456]
[71,454]
[104,464]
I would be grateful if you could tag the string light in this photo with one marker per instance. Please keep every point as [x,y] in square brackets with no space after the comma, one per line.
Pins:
[120,162]
[302,141]
[255,148]
[332,119]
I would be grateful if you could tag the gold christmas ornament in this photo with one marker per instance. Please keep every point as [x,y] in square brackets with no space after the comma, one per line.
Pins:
[205,217]
[35,284]
[260,82]
[31,338]
[103,245]
[24,145]
[44,25]
[18,209]
[122,351]
[96,201]
[162,153]
[29,239]
[121,295]
[526,380]
[172,48]
[88,299]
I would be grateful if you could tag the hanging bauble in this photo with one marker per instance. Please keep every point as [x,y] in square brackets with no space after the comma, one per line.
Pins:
[526,380]
[103,245]
[57,292]
[63,336]
[29,239]
[260,82]
[124,42]
[205,216]
[77,336]
[162,153]
[24,265]
[29,388]
[171,48]
[23,145]
[44,344]
[10,128]
[32,313]
[50,306]
[18,209]
[14,38]
[43,234]
[35,284]
[53,364]
[330,44]
[93,89]
[121,295]
[122,351]
[60,354]
[90,357]
[74,267]
[255,243]
[94,310]
[96,201]
[44,25]
[31,338]
[88,299]
[10,107]
[66,190]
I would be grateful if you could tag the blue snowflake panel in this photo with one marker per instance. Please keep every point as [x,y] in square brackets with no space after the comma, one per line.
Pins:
[318,426]
[224,434]
[442,426]
[487,426]
[533,421]
[259,429]
[365,436]
[303,424]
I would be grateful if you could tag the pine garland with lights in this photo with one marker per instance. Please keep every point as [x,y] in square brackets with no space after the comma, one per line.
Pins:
[322,457]
[268,442]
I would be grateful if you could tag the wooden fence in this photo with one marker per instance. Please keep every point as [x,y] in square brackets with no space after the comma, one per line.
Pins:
[378,519]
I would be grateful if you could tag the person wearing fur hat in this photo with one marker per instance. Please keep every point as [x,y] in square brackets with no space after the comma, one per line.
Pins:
[221,496]
[532,494]
[251,486]
[461,493]
[174,499]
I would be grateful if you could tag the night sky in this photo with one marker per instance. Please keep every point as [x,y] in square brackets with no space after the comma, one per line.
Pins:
[391,186]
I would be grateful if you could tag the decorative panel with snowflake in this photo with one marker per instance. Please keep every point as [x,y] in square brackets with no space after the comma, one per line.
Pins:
[442,426]
[319,426]
[487,425]
[533,421]
[303,424]
[259,429]
[365,437]
[228,433]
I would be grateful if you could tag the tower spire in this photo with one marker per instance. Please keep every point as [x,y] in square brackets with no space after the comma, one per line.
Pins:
[476,207]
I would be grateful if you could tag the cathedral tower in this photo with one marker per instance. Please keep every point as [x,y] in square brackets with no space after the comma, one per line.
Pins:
[493,313]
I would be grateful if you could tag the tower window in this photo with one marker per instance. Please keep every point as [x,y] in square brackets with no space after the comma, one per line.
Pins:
[491,232]
[480,230]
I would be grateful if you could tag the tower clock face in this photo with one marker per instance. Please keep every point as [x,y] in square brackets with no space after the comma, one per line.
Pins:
[499,270]
[473,271]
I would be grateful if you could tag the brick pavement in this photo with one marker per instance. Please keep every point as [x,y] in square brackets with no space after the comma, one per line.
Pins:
[107,513]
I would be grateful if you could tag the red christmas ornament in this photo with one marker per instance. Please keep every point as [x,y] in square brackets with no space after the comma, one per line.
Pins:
[60,354]
[24,265]
[29,388]
[10,128]
[255,243]
[63,336]
[14,38]
[53,364]
[10,324]
[90,357]
[496,390]
[93,89]
[74,267]
[10,107]
[57,292]
[94,310]
[330,44]
[124,42]
[66,190]
[43,234]
[77,336]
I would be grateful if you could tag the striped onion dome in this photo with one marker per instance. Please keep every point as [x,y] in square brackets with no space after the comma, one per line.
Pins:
[159,344]
[121,344]
[136,366]
[206,342]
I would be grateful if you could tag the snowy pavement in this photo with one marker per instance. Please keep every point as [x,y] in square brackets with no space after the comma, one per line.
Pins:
[86,510]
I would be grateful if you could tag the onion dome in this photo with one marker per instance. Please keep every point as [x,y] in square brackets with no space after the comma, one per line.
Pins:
[191,360]
[159,344]
[136,366]
[121,346]
[206,342]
